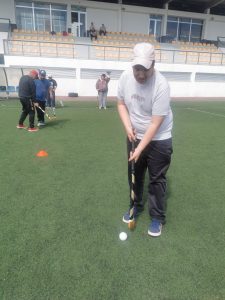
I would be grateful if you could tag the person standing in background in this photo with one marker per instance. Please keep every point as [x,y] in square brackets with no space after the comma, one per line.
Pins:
[51,94]
[27,95]
[102,88]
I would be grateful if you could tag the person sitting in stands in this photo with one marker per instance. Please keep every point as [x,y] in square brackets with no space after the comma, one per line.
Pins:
[93,32]
[102,30]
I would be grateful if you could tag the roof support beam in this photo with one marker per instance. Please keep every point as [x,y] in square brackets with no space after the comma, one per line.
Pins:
[166,1]
[213,3]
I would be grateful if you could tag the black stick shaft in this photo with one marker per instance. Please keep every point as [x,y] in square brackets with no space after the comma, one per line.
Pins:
[132,182]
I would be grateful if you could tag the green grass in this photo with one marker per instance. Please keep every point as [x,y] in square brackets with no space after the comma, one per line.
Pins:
[61,215]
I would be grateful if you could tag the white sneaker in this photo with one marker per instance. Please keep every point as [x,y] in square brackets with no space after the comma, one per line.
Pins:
[41,124]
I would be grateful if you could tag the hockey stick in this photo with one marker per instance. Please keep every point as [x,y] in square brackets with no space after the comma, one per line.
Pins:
[132,223]
[44,112]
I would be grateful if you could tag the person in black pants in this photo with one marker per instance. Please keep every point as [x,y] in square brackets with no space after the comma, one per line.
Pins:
[144,108]
[27,93]
[43,87]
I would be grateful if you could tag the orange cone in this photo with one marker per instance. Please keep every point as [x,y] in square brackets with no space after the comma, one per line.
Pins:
[42,153]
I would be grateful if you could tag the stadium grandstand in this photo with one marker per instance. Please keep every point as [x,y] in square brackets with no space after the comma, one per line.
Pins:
[187,35]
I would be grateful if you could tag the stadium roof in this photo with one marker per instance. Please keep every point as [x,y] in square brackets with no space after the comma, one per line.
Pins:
[217,7]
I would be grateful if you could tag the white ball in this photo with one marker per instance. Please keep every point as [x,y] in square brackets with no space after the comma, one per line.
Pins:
[123,236]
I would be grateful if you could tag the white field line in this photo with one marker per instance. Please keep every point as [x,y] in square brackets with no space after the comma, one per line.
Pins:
[206,112]
[109,109]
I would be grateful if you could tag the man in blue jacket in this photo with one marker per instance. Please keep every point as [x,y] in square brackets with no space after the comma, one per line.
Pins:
[43,87]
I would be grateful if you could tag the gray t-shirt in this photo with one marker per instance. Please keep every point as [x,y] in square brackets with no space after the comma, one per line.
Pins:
[145,100]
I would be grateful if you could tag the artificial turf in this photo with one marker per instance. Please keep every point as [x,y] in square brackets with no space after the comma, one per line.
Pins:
[61,215]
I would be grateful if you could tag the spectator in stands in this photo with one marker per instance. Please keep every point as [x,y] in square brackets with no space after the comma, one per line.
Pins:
[102,30]
[43,87]
[102,88]
[144,109]
[27,95]
[51,94]
[93,32]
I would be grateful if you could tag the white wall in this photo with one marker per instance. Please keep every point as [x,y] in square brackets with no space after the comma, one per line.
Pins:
[194,89]
[3,36]
[86,87]
[7,10]
[214,29]
[135,22]
[101,16]
[197,89]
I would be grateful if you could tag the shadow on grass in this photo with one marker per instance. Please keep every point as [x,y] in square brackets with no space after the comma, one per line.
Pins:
[61,107]
[56,122]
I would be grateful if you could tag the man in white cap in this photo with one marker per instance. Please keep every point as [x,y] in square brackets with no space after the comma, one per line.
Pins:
[144,108]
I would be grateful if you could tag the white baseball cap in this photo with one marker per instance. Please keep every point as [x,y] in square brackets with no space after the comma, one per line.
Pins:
[144,55]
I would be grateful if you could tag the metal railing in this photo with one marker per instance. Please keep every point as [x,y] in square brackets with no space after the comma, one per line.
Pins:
[37,48]
[108,52]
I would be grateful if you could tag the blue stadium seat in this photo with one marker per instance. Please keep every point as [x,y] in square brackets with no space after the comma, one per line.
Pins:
[10,89]
[2,88]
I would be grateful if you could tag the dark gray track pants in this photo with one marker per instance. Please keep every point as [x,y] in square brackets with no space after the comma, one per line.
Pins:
[27,109]
[155,158]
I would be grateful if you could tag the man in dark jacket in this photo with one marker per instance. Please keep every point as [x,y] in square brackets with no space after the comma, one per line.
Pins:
[27,94]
